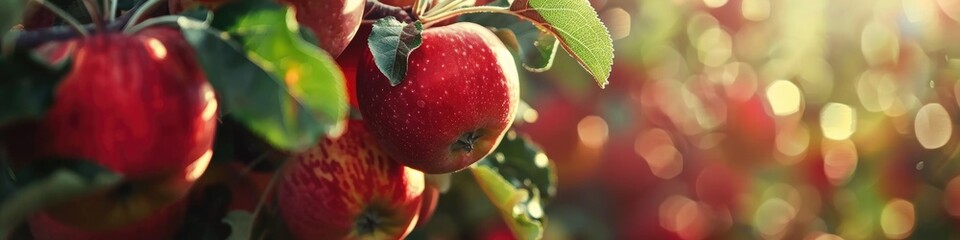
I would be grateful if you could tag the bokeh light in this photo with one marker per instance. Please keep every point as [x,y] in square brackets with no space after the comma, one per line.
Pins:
[757,119]
[593,131]
[898,219]
[784,97]
[838,121]
[656,147]
[933,126]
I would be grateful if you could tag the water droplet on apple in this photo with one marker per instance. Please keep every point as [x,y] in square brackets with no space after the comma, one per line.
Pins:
[421,103]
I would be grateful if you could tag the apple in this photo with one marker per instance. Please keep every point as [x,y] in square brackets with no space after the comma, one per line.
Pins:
[457,100]
[349,188]
[430,197]
[333,21]
[350,59]
[139,106]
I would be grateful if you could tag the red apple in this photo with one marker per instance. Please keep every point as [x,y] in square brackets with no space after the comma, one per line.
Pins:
[349,188]
[139,106]
[430,197]
[333,21]
[350,58]
[457,100]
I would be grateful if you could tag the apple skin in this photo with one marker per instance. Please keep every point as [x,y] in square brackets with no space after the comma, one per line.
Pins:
[333,21]
[421,122]
[161,225]
[431,195]
[350,59]
[333,189]
[139,106]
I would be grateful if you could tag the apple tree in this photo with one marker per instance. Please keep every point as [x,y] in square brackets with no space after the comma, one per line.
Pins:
[262,119]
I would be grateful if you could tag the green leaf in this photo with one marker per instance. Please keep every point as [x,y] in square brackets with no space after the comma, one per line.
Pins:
[391,43]
[523,165]
[240,222]
[28,86]
[246,66]
[46,182]
[507,198]
[537,48]
[576,24]
[519,179]
[271,36]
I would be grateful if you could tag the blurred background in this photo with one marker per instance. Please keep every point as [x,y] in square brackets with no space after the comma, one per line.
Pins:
[748,119]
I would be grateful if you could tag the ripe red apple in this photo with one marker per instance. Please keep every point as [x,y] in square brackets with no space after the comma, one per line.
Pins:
[139,106]
[457,100]
[349,188]
[430,197]
[333,21]
[350,59]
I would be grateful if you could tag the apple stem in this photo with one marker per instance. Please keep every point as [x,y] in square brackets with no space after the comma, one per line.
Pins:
[147,7]
[420,6]
[268,189]
[65,16]
[111,10]
[32,39]
[94,10]
[440,16]
[445,6]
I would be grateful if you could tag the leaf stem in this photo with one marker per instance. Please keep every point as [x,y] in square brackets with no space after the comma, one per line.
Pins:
[147,7]
[173,19]
[112,8]
[440,16]
[444,7]
[176,20]
[419,7]
[261,204]
[65,16]
[94,11]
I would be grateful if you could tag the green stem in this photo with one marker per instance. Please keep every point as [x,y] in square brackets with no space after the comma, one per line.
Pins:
[65,16]
[417,7]
[112,7]
[94,11]
[172,19]
[169,19]
[444,6]
[430,20]
[147,7]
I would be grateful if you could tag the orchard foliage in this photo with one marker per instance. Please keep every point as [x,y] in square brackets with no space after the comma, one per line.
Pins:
[279,92]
